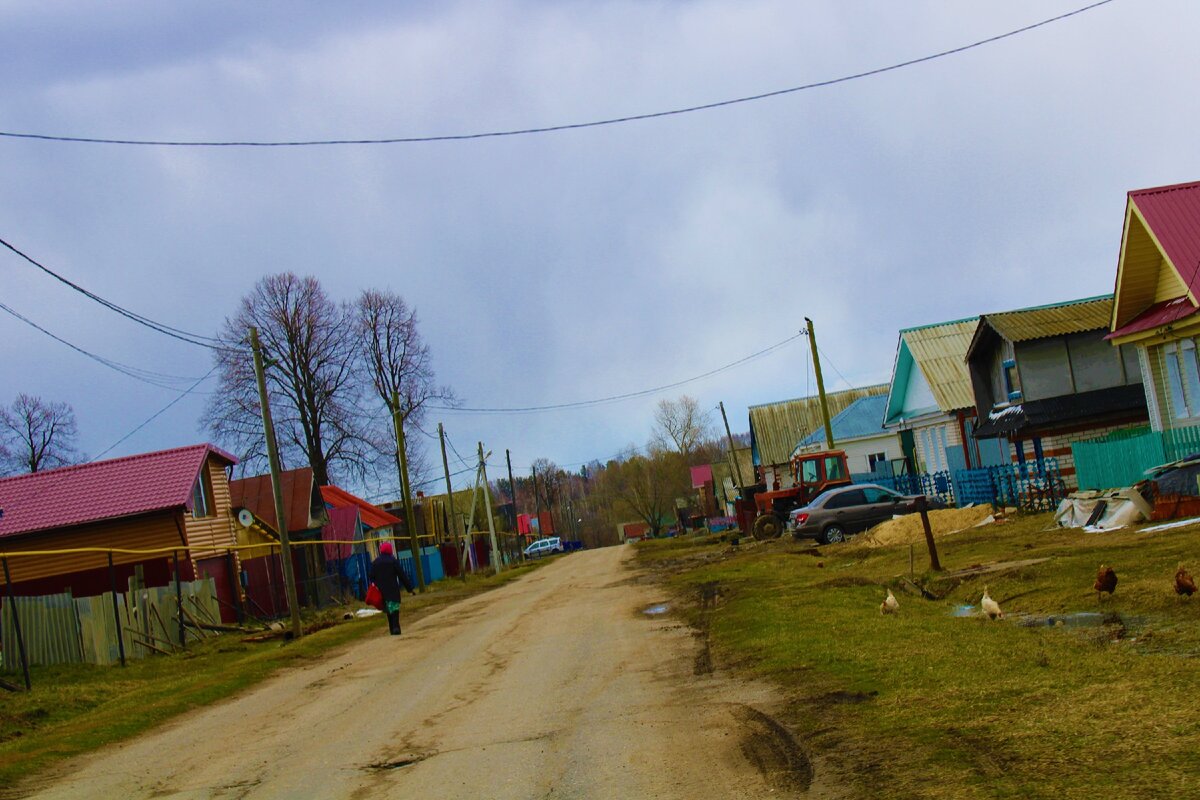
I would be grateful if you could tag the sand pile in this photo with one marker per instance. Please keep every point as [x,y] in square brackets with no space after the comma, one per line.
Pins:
[908,530]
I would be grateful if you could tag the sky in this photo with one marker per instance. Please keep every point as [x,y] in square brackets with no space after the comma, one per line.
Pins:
[577,264]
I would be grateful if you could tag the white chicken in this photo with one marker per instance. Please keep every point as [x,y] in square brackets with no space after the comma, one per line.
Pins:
[990,606]
[890,604]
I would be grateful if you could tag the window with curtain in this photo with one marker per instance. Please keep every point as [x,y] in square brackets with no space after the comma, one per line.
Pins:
[1183,378]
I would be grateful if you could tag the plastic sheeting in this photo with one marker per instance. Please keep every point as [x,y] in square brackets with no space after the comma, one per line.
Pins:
[1094,511]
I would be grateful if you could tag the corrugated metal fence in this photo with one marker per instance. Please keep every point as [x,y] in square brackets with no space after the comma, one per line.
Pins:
[1122,457]
[61,629]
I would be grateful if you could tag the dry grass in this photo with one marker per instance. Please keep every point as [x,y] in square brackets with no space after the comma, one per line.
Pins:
[949,707]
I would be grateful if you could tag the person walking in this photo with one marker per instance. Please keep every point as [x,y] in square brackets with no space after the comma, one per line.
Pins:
[387,575]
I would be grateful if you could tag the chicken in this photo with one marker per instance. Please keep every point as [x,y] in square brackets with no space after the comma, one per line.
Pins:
[1106,581]
[1185,584]
[890,604]
[990,606]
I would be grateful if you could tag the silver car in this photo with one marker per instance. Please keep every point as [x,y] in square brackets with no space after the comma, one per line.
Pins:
[837,513]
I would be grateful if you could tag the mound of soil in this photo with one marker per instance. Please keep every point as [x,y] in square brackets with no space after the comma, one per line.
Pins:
[908,530]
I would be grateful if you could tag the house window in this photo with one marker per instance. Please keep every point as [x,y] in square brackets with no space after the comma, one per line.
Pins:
[1012,380]
[202,496]
[876,462]
[1183,378]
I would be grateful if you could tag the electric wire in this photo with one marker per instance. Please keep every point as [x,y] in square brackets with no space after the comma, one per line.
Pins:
[619,397]
[156,414]
[209,342]
[563,127]
[160,379]
[829,361]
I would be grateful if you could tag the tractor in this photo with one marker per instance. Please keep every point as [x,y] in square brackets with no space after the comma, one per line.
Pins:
[812,474]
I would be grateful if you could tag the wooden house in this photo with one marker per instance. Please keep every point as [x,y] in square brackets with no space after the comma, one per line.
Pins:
[170,501]
[1156,311]
[1045,378]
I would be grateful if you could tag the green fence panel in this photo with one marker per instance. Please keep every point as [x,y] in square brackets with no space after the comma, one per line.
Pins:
[1112,463]
[1181,442]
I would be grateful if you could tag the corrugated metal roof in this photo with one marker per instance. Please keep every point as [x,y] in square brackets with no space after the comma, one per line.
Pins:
[862,418]
[1074,316]
[940,352]
[255,493]
[119,487]
[776,427]
[1173,216]
[372,516]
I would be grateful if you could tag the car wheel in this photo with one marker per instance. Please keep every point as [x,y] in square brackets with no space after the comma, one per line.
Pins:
[833,534]
[768,526]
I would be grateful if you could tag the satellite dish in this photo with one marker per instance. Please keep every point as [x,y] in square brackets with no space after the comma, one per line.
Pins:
[245,518]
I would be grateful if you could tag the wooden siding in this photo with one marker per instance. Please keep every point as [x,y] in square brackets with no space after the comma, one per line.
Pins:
[143,532]
[214,534]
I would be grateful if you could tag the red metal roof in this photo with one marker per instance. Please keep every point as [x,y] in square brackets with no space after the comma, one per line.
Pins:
[1173,216]
[1156,316]
[255,494]
[119,487]
[372,516]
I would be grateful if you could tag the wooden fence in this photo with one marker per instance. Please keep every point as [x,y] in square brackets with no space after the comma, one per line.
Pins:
[61,629]
[1122,457]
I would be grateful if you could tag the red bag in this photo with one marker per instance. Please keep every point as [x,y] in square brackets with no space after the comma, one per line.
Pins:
[374,597]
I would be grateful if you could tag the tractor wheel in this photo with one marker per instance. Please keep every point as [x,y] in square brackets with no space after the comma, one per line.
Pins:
[767,526]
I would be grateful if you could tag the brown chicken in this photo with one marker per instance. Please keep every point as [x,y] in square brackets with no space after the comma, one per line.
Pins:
[1185,584]
[1106,581]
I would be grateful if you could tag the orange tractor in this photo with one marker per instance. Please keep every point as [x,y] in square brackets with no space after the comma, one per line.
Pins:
[812,473]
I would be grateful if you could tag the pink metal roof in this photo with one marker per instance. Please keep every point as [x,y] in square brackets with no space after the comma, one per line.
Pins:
[372,516]
[701,475]
[119,487]
[1173,215]
[1155,316]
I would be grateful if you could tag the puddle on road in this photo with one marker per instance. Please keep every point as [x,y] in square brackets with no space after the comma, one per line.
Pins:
[656,609]
[963,611]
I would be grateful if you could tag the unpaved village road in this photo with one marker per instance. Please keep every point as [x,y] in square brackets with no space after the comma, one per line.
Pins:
[554,686]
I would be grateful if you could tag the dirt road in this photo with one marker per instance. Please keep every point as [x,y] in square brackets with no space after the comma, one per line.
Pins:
[555,686]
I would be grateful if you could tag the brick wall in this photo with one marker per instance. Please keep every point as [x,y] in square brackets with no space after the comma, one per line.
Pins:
[1058,445]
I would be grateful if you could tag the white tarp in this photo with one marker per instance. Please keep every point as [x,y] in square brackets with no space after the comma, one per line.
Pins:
[1120,508]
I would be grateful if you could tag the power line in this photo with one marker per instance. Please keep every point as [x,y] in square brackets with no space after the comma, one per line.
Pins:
[828,361]
[618,397]
[156,414]
[564,127]
[159,379]
[176,333]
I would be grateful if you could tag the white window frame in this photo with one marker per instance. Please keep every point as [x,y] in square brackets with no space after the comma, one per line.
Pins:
[1180,367]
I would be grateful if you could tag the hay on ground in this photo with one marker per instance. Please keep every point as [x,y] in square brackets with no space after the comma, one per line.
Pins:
[908,529]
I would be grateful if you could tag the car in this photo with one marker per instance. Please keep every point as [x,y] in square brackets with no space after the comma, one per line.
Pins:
[838,513]
[544,547]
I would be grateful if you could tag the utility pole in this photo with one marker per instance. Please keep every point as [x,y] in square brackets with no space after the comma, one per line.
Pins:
[487,501]
[285,546]
[537,503]
[737,468]
[462,568]
[406,492]
[812,342]
[512,490]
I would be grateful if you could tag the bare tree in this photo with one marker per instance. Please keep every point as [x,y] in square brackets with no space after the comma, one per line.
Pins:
[647,485]
[681,425]
[399,364]
[36,435]
[314,389]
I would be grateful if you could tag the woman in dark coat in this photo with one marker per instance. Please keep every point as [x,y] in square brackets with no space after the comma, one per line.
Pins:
[387,575]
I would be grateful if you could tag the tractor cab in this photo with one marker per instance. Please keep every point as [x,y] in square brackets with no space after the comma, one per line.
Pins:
[811,474]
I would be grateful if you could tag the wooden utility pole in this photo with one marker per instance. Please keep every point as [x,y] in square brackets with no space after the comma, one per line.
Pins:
[537,503]
[812,342]
[462,568]
[410,520]
[487,502]
[737,468]
[289,575]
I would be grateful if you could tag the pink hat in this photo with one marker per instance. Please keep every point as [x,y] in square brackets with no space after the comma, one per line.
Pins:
[386,548]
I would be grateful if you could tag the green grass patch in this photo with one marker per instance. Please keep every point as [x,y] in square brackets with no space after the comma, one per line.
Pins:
[927,704]
[81,707]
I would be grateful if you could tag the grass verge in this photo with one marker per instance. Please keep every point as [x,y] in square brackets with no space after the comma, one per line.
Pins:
[77,708]
[929,704]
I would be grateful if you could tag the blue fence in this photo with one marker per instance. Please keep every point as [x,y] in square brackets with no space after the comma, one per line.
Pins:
[931,484]
[1033,486]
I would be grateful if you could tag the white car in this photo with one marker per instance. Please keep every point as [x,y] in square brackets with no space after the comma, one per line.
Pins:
[544,547]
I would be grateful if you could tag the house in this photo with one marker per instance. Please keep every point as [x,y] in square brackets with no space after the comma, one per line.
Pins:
[1045,377]
[930,402]
[263,566]
[776,427]
[1156,310]
[871,449]
[171,501]
[357,523]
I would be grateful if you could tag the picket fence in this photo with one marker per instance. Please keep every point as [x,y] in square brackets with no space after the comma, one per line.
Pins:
[62,629]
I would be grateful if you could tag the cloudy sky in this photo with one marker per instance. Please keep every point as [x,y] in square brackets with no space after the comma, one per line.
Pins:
[579,264]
